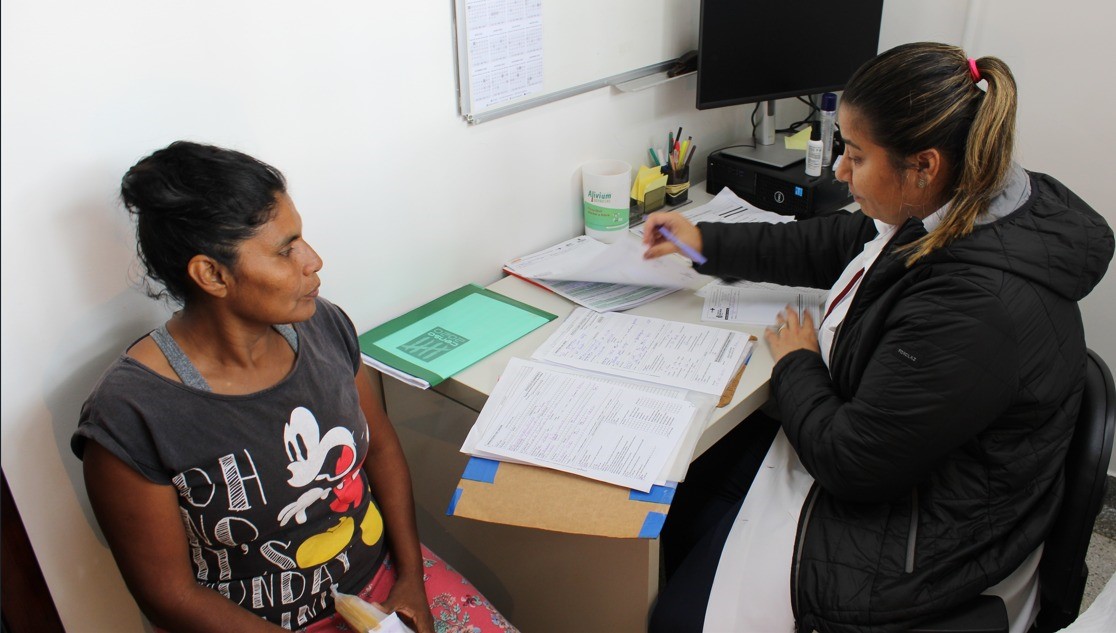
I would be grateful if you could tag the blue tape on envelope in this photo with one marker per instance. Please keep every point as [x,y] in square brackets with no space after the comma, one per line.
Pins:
[453,502]
[657,494]
[652,525]
[481,469]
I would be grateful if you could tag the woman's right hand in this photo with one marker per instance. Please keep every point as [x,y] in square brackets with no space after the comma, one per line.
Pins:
[676,223]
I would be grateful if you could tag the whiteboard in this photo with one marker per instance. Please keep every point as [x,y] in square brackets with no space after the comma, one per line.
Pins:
[517,54]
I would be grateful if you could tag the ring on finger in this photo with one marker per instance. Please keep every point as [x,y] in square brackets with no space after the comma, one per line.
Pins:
[782,326]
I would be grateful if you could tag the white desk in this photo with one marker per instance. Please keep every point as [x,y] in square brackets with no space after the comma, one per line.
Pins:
[542,581]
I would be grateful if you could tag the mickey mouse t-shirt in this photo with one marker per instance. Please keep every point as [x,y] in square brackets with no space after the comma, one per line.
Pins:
[271,488]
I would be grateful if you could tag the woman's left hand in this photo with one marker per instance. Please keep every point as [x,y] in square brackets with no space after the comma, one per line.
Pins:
[408,598]
[789,334]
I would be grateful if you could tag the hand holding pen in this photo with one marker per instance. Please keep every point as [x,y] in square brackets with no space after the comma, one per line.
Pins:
[684,236]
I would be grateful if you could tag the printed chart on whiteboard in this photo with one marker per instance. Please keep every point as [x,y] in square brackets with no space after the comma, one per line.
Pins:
[505,41]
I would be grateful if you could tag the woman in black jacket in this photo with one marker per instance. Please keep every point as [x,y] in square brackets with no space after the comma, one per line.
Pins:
[922,425]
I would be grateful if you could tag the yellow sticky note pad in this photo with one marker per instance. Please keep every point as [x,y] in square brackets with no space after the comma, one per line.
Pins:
[799,140]
[648,178]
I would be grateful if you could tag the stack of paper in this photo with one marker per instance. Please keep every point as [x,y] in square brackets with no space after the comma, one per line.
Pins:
[435,341]
[605,277]
[728,208]
[615,431]
[612,397]
[615,277]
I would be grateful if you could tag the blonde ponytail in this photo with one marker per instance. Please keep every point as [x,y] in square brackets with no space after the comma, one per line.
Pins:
[926,95]
[987,160]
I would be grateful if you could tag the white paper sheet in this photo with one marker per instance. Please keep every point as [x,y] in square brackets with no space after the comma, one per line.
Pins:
[758,303]
[398,374]
[505,43]
[601,297]
[729,208]
[581,424]
[679,462]
[585,259]
[690,356]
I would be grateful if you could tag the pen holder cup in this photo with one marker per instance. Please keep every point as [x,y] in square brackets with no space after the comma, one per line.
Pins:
[678,186]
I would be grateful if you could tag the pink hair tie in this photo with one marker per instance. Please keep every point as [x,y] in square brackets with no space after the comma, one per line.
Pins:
[973,72]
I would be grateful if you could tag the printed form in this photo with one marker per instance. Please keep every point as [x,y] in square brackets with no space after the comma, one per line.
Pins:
[690,356]
[505,43]
[759,303]
[592,426]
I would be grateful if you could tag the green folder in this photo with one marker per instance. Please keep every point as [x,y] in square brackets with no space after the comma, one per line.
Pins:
[440,338]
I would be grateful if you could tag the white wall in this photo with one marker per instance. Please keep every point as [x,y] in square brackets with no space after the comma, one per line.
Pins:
[1061,55]
[355,102]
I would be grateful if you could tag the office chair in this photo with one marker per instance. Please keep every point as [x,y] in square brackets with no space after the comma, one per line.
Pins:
[1062,571]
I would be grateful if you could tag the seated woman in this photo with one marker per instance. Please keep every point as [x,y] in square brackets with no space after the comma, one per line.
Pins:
[237,458]
[922,425]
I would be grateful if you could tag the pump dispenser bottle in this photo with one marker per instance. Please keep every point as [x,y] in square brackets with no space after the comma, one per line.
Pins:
[814,151]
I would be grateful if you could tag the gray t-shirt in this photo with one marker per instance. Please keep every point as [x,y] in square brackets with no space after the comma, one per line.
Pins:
[271,490]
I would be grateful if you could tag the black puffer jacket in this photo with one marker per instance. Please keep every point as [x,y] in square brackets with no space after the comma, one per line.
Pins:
[937,435]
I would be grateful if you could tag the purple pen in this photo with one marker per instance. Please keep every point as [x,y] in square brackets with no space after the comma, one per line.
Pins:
[697,257]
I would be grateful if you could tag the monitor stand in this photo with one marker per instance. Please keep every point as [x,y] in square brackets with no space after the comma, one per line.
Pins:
[776,154]
[770,148]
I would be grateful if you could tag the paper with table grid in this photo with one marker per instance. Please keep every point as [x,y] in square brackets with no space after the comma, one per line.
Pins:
[687,355]
[589,425]
[616,397]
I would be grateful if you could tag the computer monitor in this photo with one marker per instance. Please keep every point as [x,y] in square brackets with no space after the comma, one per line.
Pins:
[756,51]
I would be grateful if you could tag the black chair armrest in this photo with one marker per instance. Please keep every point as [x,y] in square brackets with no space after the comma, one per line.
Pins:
[983,614]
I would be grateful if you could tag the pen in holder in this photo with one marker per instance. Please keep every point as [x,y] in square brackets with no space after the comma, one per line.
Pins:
[678,184]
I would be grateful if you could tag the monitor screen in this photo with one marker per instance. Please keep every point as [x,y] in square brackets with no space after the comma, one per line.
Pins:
[755,50]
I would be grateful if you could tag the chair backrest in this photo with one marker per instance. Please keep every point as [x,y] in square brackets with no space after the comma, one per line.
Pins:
[1063,572]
